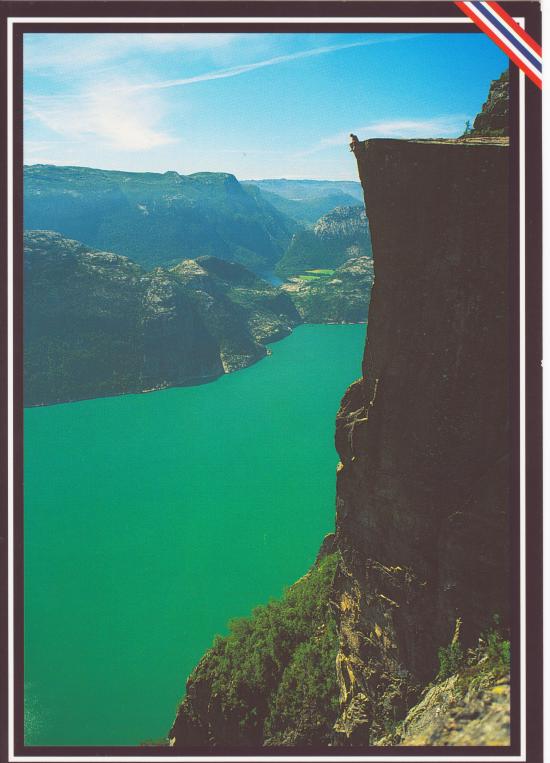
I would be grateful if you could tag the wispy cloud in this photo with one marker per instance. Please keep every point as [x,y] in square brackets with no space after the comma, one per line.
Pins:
[236,71]
[47,53]
[110,116]
[445,126]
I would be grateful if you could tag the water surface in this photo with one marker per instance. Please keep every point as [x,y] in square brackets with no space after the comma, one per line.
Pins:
[151,520]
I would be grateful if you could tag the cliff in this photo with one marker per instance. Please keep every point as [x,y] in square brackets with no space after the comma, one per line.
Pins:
[421,588]
[493,119]
[424,435]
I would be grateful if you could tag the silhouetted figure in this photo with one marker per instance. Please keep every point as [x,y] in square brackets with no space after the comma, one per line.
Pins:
[354,141]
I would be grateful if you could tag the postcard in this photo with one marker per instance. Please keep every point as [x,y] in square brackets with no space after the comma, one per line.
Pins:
[272,279]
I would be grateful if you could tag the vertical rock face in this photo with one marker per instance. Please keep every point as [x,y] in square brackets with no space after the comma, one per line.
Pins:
[424,435]
[493,119]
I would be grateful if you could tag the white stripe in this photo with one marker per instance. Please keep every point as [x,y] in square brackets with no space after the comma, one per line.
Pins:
[505,42]
[273,758]
[233,20]
[512,31]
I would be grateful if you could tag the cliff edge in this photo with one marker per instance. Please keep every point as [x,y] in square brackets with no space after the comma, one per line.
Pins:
[424,436]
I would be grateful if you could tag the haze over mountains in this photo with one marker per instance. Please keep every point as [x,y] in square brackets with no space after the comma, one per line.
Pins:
[157,219]
[307,200]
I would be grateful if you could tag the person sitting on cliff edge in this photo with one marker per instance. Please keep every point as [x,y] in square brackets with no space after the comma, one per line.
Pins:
[354,142]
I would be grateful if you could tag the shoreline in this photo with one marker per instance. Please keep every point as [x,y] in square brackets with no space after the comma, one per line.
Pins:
[196,381]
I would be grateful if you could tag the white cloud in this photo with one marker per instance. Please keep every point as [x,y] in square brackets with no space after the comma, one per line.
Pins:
[111,113]
[106,114]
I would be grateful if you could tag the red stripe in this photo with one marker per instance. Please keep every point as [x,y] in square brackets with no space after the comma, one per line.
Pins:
[499,10]
[509,52]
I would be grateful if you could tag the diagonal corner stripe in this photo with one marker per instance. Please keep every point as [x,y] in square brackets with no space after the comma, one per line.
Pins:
[520,47]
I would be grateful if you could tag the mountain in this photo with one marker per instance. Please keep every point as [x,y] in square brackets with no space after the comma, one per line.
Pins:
[424,437]
[97,324]
[306,190]
[268,313]
[305,201]
[336,237]
[157,219]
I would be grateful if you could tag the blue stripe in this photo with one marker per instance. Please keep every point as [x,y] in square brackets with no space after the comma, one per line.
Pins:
[518,43]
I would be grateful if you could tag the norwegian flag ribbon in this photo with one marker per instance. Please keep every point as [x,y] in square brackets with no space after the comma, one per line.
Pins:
[492,19]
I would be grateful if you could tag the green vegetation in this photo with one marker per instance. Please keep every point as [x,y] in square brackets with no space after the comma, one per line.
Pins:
[451,660]
[315,275]
[469,679]
[334,296]
[478,667]
[272,680]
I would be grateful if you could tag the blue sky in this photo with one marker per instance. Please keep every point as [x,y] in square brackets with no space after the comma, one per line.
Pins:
[255,105]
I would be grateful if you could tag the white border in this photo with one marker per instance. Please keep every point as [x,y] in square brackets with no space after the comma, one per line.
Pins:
[12,758]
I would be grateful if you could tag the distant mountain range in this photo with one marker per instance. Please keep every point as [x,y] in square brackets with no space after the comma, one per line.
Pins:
[306,190]
[305,201]
[157,219]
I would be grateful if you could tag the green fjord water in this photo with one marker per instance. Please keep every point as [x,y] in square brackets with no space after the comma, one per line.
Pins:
[151,520]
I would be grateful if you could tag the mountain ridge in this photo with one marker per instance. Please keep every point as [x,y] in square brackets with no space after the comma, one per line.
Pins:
[156,218]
